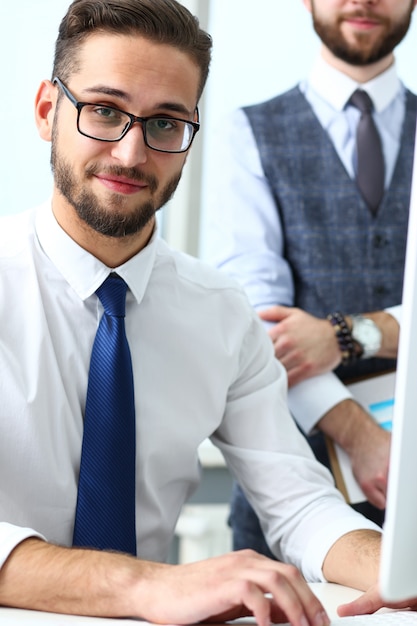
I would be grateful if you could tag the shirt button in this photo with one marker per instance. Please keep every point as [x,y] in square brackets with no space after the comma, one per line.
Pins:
[379,241]
[380,290]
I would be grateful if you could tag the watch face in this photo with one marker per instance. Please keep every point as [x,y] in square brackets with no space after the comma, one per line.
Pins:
[367,334]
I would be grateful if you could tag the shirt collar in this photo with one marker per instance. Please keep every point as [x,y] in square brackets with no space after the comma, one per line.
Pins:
[336,88]
[83,271]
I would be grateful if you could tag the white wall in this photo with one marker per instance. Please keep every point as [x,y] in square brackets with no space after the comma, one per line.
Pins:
[28,29]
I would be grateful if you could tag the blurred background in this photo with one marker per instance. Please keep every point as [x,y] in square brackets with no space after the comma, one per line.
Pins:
[261,48]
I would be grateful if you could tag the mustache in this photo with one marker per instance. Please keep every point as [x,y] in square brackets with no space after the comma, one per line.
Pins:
[364,14]
[128,172]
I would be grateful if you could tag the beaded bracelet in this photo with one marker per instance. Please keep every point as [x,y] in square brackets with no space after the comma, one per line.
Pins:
[343,336]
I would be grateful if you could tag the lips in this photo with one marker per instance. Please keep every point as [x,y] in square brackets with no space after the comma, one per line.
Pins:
[121,184]
[363,21]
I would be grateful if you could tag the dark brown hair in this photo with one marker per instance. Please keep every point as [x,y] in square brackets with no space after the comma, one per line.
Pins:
[163,21]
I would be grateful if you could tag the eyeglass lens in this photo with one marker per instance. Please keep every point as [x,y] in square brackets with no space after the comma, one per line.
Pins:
[106,123]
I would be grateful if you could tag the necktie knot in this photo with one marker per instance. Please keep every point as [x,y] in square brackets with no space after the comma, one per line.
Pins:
[112,295]
[361,100]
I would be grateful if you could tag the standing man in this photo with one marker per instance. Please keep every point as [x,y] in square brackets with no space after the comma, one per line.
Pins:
[119,356]
[297,216]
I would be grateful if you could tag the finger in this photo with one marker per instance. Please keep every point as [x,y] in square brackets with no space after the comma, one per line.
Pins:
[291,595]
[377,497]
[298,374]
[297,368]
[275,313]
[289,359]
[285,346]
[376,492]
[248,599]
[368,602]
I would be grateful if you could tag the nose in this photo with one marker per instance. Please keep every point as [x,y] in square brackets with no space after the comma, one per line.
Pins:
[131,150]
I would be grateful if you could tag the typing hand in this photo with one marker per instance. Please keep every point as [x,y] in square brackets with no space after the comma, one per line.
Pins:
[305,345]
[233,586]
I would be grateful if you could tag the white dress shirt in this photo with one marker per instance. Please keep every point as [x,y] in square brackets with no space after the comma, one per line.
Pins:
[244,235]
[203,367]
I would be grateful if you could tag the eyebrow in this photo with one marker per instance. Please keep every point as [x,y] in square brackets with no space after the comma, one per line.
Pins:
[174,107]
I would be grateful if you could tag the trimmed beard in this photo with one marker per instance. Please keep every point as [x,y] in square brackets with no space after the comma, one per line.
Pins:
[114,222]
[360,54]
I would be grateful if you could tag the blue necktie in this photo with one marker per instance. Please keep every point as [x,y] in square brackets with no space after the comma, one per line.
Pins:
[370,171]
[105,515]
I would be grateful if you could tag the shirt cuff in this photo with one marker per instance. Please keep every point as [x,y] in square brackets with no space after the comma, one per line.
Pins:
[395,311]
[11,536]
[314,397]
[343,520]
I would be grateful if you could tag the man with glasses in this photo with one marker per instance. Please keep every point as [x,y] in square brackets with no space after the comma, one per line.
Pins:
[321,257]
[119,356]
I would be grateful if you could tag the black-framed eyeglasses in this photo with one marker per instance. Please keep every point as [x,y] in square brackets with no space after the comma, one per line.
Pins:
[106,123]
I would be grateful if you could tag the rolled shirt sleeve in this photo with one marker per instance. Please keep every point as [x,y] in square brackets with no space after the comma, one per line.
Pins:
[300,510]
[11,536]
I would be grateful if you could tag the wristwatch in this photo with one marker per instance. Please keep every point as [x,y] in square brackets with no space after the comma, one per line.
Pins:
[367,335]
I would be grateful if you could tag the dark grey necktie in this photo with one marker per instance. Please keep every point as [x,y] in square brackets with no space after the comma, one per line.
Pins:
[370,169]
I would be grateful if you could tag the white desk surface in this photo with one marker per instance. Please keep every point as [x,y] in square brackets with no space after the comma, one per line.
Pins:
[330,595]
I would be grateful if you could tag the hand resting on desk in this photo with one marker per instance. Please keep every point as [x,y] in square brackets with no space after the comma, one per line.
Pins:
[370,601]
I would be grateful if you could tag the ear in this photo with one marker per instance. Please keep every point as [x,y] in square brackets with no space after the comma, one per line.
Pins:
[45,104]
